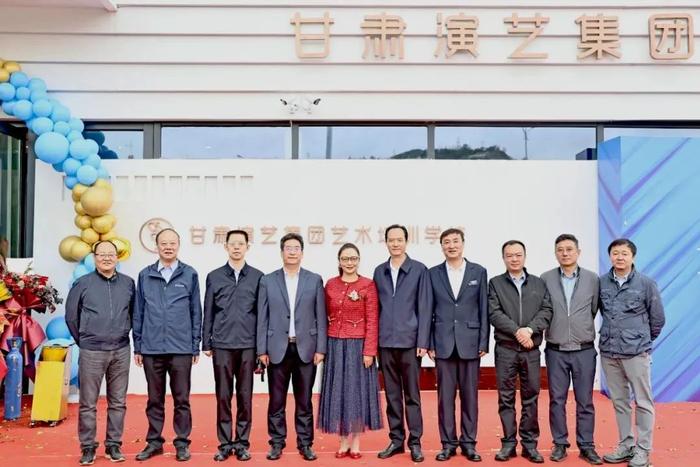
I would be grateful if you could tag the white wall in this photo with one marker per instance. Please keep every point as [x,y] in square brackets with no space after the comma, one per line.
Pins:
[495,201]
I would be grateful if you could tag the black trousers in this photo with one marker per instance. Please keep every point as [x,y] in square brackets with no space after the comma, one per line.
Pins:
[401,370]
[230,364]
[512,365]
[455,373]
[178,369]
[302,376]
[562,367]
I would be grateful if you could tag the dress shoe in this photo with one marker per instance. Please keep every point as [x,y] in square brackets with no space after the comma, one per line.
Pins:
[416,454]
[182,453]
[471,454]
[355,455]
[391,450]
[275,452]
[590,456]
[506,453]
[114,453]
[307,453]
[242,454]
[621,454]
[533,455]
[88,456]
[640,459]
[558,453]
[445,454]
[223,454]
[341,454]
[148,452]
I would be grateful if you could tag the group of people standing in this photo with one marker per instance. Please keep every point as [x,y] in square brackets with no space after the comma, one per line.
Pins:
[288,323]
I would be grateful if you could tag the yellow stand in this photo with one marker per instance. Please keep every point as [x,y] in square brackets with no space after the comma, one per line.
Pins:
[51,385]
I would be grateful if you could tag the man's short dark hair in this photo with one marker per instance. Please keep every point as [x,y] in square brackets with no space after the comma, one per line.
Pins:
[510,243]
[623,242]
[292,236]
[94,247]
[565,237]
[167,229]
[451,231]
[396,226]
[237,232]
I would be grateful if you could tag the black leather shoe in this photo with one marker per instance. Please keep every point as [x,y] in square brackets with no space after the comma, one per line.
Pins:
[114,453]
[148,452]
[307,453]
[416,454]
[182,453]
[533,455]
[275,452]
[558,453]
[445,454]
[506,453]
[88,456]
[223,454]
[471,454]
[590,456]
[391,450]
[242,454]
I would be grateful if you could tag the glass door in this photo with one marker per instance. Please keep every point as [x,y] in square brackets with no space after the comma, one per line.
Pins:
[12,190]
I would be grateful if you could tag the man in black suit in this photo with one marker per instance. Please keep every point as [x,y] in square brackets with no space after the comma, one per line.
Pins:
[459,338]
[292,341]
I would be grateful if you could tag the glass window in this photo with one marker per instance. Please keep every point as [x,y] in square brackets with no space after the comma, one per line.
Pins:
[537,142]
[669,132]
[10,196]
[226,142]
[117,144]
[363,142]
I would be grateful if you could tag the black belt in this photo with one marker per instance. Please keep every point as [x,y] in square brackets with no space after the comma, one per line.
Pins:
[584,346]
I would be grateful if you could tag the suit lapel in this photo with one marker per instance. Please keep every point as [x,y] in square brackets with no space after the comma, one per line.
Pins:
[446,280]
[300,289]
[465,279]
[283,287]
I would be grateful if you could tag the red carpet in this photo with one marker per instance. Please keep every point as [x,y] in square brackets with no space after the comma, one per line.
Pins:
[675,444]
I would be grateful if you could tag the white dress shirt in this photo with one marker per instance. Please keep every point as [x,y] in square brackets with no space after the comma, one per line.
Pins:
[394,275]
[292,282]
[455,276]
[167,271]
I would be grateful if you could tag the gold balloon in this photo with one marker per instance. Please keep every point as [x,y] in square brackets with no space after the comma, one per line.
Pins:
[108,236]
[79,208]
[78,191]
[102,183]
[104,224]
[89,236]
[11,67]
[96,201]
[83,222]
[4,75]
[64,248]
[123,248]
[79,250]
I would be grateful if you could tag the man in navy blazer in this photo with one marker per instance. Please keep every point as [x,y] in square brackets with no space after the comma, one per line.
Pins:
[459,338]
[291,341]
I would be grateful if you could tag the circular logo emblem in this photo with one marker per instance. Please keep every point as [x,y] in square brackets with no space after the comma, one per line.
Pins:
[149,230]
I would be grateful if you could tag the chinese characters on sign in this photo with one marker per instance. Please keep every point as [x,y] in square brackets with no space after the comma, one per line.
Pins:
[670,36]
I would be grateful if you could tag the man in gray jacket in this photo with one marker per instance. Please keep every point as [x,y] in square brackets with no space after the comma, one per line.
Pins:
[633,317]
[99,310]
[570,353]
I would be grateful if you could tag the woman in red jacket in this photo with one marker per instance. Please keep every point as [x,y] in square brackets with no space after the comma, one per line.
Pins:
[350,389]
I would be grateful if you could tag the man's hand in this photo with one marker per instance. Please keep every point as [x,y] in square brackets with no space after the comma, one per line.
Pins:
[482,353]
[208,353]
[264,359]
[523,335]
[138,359]
[195,359]
[367,360]
[318,358]
[420,352]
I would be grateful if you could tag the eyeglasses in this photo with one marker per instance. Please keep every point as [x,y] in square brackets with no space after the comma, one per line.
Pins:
[292,249]
[349,259]
[106,255]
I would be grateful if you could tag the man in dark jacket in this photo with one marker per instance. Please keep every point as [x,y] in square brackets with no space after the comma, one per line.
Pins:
[633,317]
[167,334]
[99,309]
[520,311]
[230,321]
[403,287]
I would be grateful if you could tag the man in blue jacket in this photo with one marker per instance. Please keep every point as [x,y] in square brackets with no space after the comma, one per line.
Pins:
[403,287]
[633,317]
[167,334]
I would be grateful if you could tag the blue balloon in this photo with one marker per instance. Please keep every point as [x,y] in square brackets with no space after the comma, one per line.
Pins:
[42,125]
[37,84]
[102,173]
[94,147]
[23,110]
[80,271]
[22,93]
[80,149]
[9,107]
[58,329]
[62,128]
[7,92]
[73,135]
[71,166]
[19,78]
[86,175]
[60,114]
[89,262]
[58,167]
[39,95]
[70,182]
[51,147]
[76,124]
[109,154]
[97,136]
[42,108]
[93,160]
